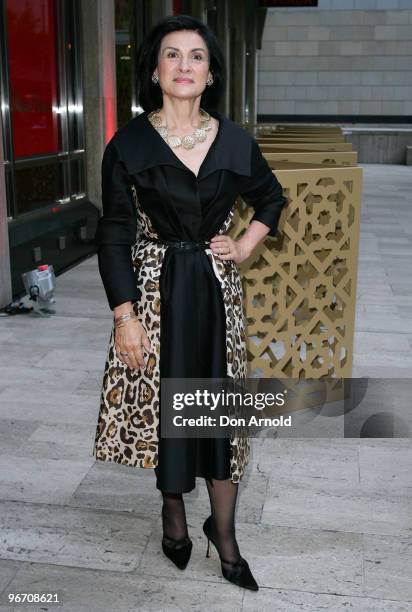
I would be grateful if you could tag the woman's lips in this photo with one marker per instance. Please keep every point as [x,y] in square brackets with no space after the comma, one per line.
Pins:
[183,80]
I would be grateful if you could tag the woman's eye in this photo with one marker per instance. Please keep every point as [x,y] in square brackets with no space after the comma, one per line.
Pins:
[173,54]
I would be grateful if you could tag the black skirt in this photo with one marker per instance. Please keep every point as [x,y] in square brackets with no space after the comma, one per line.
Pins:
[192,345]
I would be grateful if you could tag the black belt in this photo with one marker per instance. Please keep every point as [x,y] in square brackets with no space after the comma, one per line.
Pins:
[185,244]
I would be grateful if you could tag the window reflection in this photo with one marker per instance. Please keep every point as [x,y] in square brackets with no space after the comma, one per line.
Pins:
[44,117]
[32,58]
[38,186]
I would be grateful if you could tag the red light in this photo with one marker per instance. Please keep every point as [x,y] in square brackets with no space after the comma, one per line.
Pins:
[43,267]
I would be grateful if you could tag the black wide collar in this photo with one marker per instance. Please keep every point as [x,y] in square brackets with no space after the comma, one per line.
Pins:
[142,147]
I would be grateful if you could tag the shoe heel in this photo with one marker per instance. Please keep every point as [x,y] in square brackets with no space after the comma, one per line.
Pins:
[239,573]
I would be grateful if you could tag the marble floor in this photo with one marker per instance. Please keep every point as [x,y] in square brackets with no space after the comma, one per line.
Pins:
[326,524]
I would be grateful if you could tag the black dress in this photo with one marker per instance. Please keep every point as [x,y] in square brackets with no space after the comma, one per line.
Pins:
[187,307]
[180,206]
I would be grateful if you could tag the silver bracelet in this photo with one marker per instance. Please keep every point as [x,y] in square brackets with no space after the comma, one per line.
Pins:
[125,317]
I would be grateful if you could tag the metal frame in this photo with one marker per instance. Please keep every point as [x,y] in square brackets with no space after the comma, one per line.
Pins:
[6,115]
[70,84]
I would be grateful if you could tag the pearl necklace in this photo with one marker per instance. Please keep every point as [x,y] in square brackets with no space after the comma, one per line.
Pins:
[189,140]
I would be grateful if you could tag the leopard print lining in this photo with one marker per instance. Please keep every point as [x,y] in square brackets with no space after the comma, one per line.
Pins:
[127,427]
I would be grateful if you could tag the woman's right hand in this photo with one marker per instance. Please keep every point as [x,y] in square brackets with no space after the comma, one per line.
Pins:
[131,338]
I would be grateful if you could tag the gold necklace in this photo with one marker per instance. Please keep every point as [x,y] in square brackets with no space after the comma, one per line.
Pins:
[189,140]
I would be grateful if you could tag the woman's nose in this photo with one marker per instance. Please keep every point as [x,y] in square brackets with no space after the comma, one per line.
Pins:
[184,64]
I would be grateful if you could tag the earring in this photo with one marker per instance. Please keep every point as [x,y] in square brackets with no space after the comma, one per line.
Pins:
[155,78]
[209,80]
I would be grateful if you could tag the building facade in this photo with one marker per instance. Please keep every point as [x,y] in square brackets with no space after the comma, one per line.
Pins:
[67,83]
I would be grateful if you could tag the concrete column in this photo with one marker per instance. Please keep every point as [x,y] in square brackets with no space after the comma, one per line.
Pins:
[5,275]
[157,9]
[223,36]
[238,63]
[99,86]
[195,8]
[251,63]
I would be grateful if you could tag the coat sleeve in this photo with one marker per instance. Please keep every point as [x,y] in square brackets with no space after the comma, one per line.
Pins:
[116,230]
[262,191]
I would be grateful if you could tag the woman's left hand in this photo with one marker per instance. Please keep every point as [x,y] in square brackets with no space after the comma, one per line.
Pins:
[225,248]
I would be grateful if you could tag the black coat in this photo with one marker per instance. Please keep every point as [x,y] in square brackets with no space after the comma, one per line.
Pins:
[189,300]
[181,205]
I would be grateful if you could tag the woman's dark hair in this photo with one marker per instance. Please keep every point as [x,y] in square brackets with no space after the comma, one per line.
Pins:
[149,94]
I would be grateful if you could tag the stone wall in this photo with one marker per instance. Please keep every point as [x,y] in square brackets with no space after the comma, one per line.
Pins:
[337,59]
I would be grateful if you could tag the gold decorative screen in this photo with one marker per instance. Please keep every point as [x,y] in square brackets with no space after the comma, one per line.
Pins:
[300,286]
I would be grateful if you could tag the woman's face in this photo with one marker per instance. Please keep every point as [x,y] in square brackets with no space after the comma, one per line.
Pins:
[183,64]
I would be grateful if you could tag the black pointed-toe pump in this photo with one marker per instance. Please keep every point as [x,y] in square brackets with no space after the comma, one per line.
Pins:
[178,551]
[239,572]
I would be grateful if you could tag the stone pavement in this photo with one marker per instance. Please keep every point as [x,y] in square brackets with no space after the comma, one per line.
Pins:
[324,523]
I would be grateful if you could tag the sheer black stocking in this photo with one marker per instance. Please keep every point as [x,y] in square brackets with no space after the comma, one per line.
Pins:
[174,516]
[223,496]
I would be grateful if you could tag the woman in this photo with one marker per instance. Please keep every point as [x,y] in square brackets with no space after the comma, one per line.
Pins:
[170,179]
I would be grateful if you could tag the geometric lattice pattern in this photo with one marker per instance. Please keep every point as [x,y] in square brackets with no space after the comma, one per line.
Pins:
[299,287]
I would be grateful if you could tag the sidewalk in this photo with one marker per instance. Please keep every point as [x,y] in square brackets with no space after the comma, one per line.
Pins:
[324,524]
[383,324]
